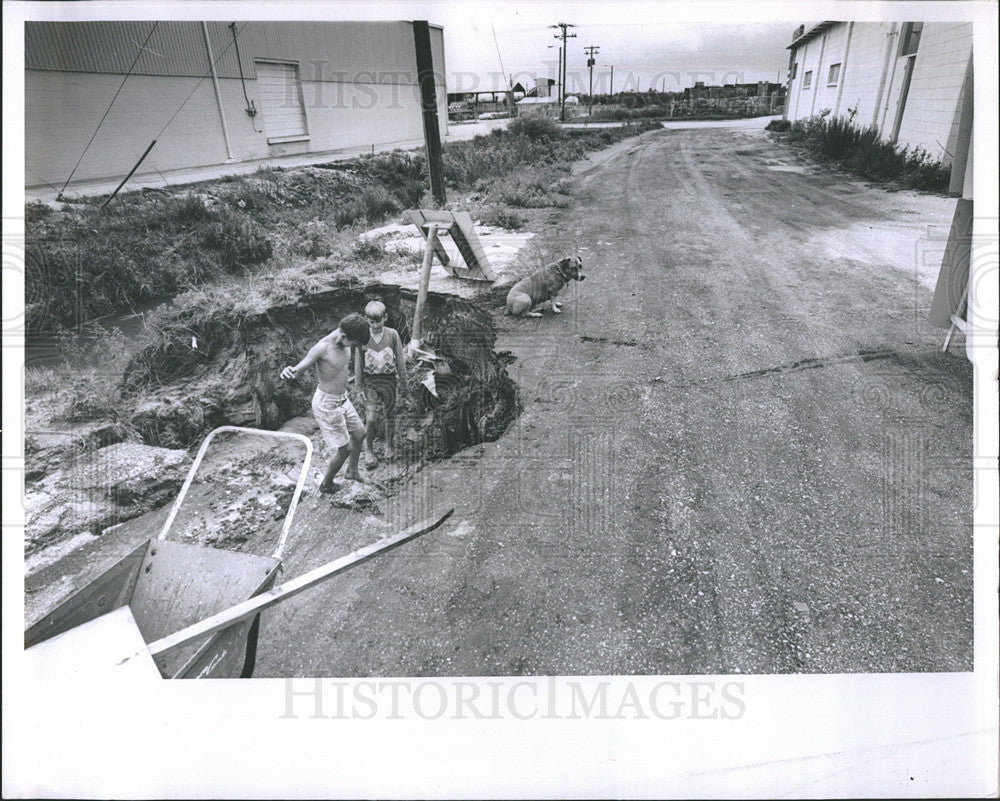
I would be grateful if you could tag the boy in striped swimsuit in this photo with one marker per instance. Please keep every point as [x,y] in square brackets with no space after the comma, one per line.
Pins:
[377,368]
[339,423]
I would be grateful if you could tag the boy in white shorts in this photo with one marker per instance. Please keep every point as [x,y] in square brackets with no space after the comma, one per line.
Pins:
[339,422]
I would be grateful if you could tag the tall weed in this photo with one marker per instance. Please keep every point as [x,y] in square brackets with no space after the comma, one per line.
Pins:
[865,153]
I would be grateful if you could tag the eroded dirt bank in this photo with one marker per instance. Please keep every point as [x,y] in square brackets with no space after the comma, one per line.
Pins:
[226,372]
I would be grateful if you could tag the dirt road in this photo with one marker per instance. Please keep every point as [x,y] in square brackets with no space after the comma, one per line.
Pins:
[741,451]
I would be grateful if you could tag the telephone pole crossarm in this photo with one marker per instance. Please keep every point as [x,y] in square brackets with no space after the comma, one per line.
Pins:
[564,36]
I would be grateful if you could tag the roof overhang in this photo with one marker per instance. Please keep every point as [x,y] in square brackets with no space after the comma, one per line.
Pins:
[813,32]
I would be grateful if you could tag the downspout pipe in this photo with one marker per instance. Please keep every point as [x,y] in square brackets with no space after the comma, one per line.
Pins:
[800,79]
[843,69]
[788,89]
[818,76]
[885,73]
[218,95]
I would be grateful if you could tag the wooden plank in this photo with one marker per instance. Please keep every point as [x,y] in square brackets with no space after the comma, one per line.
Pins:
[428,101]
[418,218]
[470,247]
[952,286]
[110,590]
[291,588]
[425,277]
[463,233]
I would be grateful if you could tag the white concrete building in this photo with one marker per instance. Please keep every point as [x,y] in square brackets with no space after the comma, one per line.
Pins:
[908,79]
[211,93]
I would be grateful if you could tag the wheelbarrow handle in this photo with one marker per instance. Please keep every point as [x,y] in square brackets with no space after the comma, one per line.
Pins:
[286,526]
[248,608]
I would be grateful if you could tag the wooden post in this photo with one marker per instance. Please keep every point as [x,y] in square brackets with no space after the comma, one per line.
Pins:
[428,99]
[125,179]
[425,278]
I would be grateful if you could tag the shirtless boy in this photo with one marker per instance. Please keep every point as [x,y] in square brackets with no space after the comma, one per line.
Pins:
[339,423]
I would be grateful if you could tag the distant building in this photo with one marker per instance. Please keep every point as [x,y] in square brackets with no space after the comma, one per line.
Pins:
[907,79]
[538,106]
[295,87]
[543,88]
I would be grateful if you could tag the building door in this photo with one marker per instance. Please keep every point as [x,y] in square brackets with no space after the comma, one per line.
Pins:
[281,106]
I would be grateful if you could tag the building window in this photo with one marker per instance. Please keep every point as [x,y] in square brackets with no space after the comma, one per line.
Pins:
[795,70]
[910,38]
[807,79]
[834,75]
[280,94]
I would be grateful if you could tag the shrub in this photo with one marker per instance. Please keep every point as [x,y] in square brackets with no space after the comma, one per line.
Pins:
[238,241]
[369,250]
[503,217]
[537,129]
[863,152]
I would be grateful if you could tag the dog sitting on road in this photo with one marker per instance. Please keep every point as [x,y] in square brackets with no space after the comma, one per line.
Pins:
[543,285]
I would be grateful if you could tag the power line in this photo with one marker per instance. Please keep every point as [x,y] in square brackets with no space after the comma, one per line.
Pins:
[107,111]
[499,57]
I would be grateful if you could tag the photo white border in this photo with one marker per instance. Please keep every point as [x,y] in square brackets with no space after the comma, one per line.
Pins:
[904,735]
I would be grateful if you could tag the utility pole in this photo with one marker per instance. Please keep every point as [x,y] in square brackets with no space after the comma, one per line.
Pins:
[558,69]
[612,82]
[428,101]
[591,50]
[564,36]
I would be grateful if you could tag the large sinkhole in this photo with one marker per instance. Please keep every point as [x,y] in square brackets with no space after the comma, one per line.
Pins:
[218,371]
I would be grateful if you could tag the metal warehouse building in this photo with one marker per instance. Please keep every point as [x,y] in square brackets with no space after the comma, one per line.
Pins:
[212,93]
[908,79]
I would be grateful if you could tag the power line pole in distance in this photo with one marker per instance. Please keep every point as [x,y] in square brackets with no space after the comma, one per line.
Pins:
[591,51]
[564,36]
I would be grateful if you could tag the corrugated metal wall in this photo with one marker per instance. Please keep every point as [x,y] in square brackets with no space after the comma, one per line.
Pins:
[931,111]
[380,52]
[358,87]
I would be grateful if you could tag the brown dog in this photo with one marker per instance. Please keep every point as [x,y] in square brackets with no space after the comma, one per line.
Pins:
[543,285]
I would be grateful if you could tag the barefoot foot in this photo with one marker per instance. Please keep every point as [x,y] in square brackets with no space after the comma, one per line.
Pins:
[331,488]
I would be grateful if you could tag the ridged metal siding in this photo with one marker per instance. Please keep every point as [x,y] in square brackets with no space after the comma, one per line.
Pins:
[366,52]
[175,48]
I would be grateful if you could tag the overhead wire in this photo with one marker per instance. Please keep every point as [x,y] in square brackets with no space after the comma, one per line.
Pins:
[200,80]
[107,111]
[499,57]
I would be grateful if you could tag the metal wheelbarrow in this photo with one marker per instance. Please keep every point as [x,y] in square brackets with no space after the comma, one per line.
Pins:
[196,609]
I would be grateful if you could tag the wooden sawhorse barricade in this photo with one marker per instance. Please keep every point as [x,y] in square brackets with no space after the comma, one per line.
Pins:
[458,225]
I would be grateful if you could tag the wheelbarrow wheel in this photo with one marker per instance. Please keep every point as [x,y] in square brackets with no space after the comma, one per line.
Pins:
[251,656]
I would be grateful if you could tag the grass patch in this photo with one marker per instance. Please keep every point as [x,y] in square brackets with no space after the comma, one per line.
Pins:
[84,262]
[864,153]
[83,386]
[679,111]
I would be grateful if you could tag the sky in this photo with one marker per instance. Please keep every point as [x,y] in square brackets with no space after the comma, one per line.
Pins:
[646,44]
